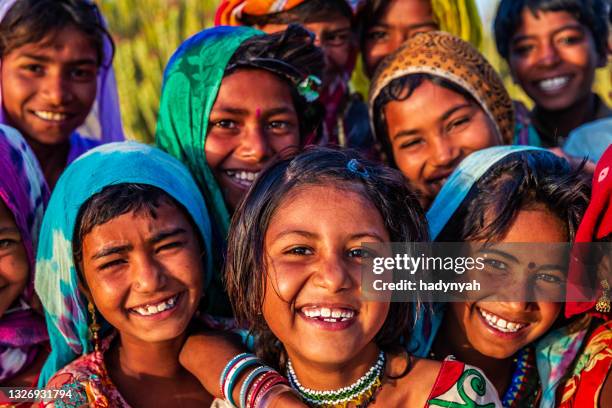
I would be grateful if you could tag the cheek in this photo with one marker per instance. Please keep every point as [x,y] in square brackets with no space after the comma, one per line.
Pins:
[479,135]
[86,94]
[339,55]
[14,268]
[548,314]
[216,149]
[279,144]
[408,164]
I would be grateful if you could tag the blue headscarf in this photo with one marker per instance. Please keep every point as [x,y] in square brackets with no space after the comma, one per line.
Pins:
[56,276]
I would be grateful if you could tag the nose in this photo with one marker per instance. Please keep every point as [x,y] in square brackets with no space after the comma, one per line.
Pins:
[444,152]
[148,275]
[333,274]
[254,145]
[56,90]
[548,55]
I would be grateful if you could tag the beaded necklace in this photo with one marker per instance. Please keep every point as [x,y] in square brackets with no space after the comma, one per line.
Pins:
[360,393]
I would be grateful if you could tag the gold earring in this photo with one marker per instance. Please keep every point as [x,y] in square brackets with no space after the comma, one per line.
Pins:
[603,304]
[94,327]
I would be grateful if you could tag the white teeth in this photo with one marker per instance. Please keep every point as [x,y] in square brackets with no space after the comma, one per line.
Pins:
[553,84]
[329,314]
[501,324]
[150,310]
[336,314]
[325,312]
[243,177]
[51,116]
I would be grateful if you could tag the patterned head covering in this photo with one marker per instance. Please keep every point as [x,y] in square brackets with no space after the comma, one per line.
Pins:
[24,191]
[191,82]
[230,12]
[596,225]
[104,121]
[56,276]
[443,55]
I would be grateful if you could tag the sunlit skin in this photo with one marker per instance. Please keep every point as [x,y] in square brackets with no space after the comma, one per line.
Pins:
[313,249]
[48,89]
[473,340]
[137,260]
[14,266]
[245,132]
[335,37]
[432,131]
[401,20]
[555,45]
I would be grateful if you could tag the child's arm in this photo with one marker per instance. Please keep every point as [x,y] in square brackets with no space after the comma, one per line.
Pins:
[205,355]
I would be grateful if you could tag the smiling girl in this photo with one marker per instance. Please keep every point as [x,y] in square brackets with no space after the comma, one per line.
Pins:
[23,195]
[226,132]
[433,102]
[128,250]
[293,275]
[553,49]
[56,70]
[522,203]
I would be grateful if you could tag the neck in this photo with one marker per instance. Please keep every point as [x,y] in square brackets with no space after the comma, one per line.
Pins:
[451,340]
[558,124]
[52,159]
[333,376]
[141,358]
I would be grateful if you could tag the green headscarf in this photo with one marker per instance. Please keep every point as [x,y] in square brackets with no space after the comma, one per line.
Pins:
[191,82]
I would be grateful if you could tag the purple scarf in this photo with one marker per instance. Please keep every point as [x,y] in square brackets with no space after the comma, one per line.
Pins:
[24,192]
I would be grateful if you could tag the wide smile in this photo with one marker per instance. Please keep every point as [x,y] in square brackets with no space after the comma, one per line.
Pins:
[502,326]
[52,117]
[243,178]
[159,309]
[553,85]
[329,317]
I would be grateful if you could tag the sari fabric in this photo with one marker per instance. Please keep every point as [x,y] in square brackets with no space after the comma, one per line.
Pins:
[103,125]
[24,192]
[57,278]
[441,54]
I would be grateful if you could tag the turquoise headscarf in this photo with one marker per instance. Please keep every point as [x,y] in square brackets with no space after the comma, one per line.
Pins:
[191,82]
[56,276]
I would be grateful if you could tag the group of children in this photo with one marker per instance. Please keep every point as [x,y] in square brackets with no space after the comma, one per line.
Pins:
[222,267]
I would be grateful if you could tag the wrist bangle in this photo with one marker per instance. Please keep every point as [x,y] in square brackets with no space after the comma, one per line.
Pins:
[248,382]
[272,392]
[234,373]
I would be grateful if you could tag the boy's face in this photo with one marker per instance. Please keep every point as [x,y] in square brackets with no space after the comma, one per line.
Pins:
[553,58]
[336,39]
[48,88]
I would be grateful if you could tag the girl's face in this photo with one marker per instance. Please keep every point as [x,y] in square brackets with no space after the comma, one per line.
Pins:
[49,87]
[553,58]
[401,20]
[144,273]
[14,265]
[500,329]
[314,253]
[248,125]
[432,131]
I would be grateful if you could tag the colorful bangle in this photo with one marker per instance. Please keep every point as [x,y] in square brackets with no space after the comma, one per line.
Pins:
[254,391]
[272,391]
[267,387]
[234,373]
[228,367]
[248,382]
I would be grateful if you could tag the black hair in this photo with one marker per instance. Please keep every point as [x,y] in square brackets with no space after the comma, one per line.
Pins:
[116,200]
[245,268]
[590,13]
[400,89]
[309,11]
[30,21]
[522,180]
[292,55]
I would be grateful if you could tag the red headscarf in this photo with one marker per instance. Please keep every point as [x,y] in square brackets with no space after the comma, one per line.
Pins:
[596,225]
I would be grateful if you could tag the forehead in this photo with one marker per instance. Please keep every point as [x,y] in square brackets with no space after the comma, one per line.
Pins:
[7,218]
[544,23]
[265,90]
[402,13]
[550,227]
[326,209]
[68,43]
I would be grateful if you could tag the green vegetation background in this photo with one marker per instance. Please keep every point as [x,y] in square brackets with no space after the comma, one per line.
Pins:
[147,32]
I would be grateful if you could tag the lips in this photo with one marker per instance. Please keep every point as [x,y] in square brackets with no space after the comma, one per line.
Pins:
[157,307]
[329,317]
[553,84]
[52,116]
[242,177]
[498,323]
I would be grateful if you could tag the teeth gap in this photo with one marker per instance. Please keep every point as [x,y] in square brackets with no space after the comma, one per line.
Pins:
[149,310]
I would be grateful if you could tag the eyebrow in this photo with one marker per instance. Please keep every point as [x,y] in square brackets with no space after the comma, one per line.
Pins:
[445,116]
[9,230]
[162,235]
[44,58]
[557,31]
[311,235]
[498,252]
[410,27]
[111,250]
[245,112]
[364,235]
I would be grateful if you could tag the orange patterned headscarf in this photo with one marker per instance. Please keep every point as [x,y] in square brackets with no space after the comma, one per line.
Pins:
[444,55]
[230,12]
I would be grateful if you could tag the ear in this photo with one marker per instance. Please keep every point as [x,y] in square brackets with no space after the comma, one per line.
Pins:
[604,269]
[84,288]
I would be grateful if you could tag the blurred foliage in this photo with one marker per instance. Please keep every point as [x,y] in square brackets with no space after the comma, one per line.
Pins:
[147,32]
